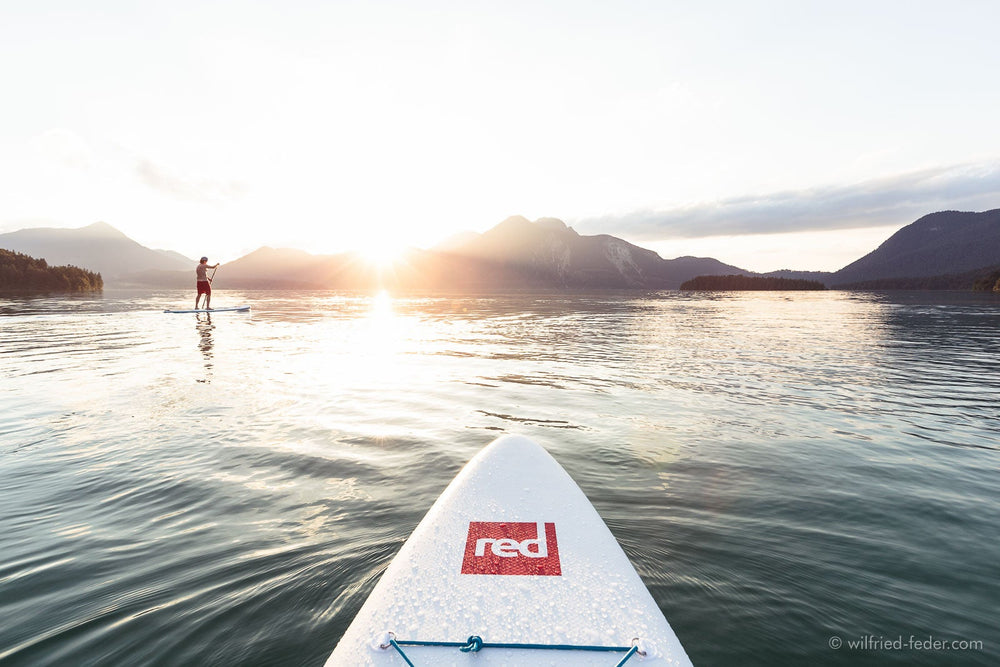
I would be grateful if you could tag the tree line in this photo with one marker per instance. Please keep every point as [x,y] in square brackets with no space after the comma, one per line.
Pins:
[988,283]
[739,283]
[23,273]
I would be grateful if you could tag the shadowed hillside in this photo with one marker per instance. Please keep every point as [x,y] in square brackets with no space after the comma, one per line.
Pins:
[939,244]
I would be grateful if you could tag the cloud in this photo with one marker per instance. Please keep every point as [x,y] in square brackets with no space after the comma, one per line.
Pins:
[894,200]
[192,189]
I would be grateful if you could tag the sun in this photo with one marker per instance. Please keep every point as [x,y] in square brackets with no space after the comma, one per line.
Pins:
[381,253]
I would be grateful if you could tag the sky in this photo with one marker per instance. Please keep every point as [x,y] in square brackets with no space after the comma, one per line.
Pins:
[769,135]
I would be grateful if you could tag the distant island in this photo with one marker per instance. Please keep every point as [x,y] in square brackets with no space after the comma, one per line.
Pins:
[23,273]
[738,283]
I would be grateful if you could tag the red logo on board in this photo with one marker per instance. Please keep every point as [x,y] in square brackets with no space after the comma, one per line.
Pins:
[508,547]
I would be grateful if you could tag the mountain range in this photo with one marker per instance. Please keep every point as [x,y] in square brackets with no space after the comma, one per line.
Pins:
[516,253]
[945,249]
[98,247]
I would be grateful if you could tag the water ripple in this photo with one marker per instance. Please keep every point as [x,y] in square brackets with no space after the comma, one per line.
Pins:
[227,490]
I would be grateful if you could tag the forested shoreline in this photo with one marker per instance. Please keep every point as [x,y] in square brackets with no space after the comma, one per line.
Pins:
[738,283]
[23,273]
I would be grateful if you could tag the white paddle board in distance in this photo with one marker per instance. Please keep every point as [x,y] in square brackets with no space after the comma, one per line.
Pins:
[241,309]
[513,564]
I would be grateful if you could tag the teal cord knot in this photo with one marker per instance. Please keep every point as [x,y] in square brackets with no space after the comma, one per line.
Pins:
[473,645]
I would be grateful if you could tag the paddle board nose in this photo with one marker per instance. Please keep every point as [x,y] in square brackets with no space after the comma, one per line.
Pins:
[511,565]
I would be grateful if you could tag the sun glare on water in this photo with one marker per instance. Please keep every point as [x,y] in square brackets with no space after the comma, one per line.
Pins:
[385,333]
[381,308]
[375,336]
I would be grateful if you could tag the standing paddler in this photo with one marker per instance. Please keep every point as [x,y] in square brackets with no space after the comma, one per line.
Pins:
[204,282]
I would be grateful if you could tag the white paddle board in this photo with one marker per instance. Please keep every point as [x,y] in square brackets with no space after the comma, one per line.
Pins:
[211,310]
[514,564]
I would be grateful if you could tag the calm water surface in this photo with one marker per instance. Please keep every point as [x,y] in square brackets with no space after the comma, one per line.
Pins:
[785,471]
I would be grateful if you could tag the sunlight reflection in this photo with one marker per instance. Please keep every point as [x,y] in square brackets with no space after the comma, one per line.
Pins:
[384,337]
[78,530]
[381,308]
[382,332]
[369,349]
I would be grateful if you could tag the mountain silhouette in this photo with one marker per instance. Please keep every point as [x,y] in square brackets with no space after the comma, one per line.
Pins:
[938,244]
[941,250]
[547,253]
[516,254]
[284,268]
[98,247]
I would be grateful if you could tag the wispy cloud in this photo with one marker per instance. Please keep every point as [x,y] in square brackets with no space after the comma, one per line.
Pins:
[898,199]
[192,189]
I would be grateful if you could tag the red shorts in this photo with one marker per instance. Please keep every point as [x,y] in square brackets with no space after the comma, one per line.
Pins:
[204,287]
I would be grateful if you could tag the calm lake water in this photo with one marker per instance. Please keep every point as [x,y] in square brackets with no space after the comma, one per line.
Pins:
[786,471]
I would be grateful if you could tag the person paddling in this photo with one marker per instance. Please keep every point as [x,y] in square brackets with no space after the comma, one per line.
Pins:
[204,283]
